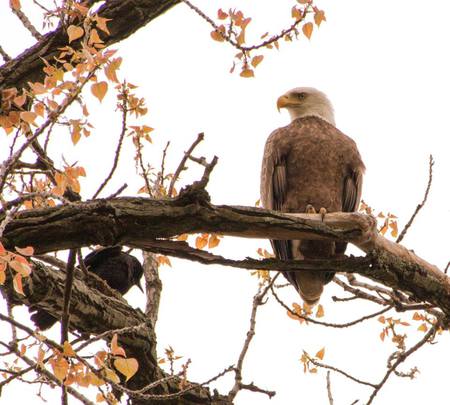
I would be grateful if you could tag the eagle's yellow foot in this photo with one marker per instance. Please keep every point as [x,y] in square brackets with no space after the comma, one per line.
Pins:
[310,209]
[322,213]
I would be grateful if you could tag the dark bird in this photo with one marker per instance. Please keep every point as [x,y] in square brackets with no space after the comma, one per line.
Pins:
[120,270]
[310,166]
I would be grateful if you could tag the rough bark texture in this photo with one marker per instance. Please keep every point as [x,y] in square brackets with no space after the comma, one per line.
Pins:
[127,16]
[138,222]
[95,308]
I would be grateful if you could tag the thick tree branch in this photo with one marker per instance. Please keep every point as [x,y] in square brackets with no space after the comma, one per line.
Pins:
[127,16]
[138,222]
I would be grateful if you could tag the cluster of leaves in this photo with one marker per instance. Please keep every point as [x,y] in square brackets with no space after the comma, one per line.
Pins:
[301,313]
[232,28]
[307,360]
[389,221]
[17,264]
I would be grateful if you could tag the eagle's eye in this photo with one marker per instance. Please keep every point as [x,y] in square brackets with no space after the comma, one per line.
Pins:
[301,96]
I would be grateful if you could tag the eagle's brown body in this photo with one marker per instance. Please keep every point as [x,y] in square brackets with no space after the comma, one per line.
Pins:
[310,162]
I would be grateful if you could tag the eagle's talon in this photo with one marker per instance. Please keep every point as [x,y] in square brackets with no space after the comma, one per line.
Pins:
[322,212]
[310,209]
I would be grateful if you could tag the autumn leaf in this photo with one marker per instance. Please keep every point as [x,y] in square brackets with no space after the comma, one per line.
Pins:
[19,101]
[256,60]
[246,72]
[115,348]
[423,327]
[26,251]
[21,268]
[182,237]
[320,311]
[321,353]
[17,283]
[201,241]
[60,367]
[39,109]
[94,37]
[28,116]
[127,367]
[15,4]
[111,375]
[308,29]
[68,350]
[394,228]
[74,32]
[2,277]
[319,17]
[2,249]
[213,241]
[99,90]
[221,15]
[217,36]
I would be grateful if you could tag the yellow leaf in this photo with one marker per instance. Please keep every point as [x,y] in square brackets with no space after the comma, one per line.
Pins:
[127,367]
[60,367]
[320,312]
[213,241]
[423,327]
[20,267]
[319,17]
[246,72]
[74,32]
[308,29]
[201,241]
[256,60]
[17,283]
[99,397]
[68,350]
[26,251]
[394,228]
[99,90]
[110,374]
[28,116]
[321,353]
[115,348]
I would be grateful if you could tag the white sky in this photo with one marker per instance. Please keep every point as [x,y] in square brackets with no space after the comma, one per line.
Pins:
[385,69]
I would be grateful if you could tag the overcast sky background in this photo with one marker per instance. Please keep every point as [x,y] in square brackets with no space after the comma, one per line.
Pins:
[385,68]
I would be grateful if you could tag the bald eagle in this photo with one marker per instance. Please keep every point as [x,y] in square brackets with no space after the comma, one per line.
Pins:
[310,166]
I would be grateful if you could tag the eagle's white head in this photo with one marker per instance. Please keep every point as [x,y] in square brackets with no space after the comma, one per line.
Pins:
[306,102]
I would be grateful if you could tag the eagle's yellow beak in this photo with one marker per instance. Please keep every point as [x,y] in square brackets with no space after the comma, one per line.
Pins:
[282,102]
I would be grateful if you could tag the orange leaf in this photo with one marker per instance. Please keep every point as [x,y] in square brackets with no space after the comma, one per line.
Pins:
[127,367]
[417,316]
[217,36]
[17,282]
[21,268]
[2,249]
[246,72]
[256,60]
[423,327]
[26,251]
[19,101]
[394,229]
[319,16]
[115,348]
[182,237]
[321,353]
[28,116]
[110,374]
[221,15]
[308,29]
[2,277]
[101,23]
[39,109]
[94,37]
[201,241]
[68,350]
[15,4]
[74,32]
[213,241]
[320,312]
[99,90]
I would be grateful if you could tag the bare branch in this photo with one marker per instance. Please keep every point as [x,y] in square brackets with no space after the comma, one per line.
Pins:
[27,23]
[182,164]
[124,94]
[153,287]
[67,295]
[4,55]
[330,394]
[419,206]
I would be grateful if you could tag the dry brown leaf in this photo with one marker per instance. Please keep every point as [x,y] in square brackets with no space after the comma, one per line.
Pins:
[74,32]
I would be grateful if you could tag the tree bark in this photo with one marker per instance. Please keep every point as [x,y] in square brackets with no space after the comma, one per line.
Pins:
[127,16]
[139,222]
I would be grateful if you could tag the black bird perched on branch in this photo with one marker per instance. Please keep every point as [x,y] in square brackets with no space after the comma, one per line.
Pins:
[120,270]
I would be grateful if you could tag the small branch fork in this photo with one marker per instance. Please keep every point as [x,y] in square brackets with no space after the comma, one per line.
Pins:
[421,205]
[258,300]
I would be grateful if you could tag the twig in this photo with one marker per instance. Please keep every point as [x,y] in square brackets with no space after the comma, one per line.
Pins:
[419,206]
[330,395]
[5,56]
[327,324]
[115,194]
[181,166]
[235,44]
[27,23]
[402,356]
[337,370]
[153,287]
[67,295]
[446,267]
[124,95]
[257,302]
